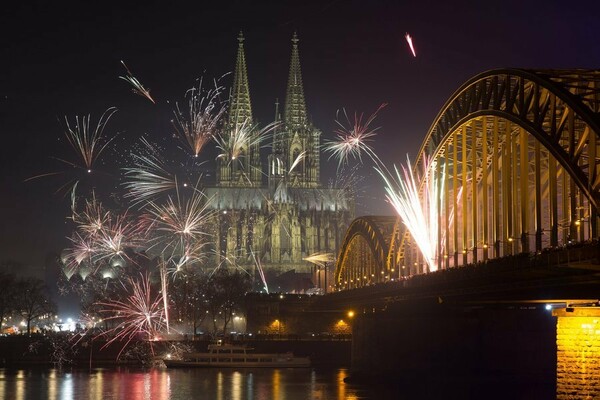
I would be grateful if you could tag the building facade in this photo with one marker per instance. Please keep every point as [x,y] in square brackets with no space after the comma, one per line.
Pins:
[271,215]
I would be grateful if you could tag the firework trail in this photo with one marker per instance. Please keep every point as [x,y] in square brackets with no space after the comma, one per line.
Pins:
[261,272]
[192,252]
[148,177]
[233,145]
[139,313]
[410,44]
[179,235]
[353,137]
[137,88]
[164,284]
[320,258]
[350,181]
[281,194]
[419,215]
[198,125]
[225,260]
[297,161]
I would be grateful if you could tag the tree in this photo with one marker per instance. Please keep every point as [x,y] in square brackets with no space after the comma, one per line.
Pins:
[7,295]
[225,293]
[187,296]
[33,301]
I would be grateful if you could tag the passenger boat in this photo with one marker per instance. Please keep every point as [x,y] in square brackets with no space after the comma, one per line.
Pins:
[237,356]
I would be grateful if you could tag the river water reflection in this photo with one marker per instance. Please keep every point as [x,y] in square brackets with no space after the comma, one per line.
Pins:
[172,384]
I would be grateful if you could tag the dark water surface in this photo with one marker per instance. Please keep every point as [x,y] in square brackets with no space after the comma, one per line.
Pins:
[249,384]
[172,384]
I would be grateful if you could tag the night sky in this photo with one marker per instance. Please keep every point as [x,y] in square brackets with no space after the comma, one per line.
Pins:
[63,59]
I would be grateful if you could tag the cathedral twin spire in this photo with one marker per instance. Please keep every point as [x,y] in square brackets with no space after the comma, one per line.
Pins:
[286,141]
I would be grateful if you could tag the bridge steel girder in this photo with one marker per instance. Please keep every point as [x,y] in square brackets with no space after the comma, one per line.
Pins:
[522,163]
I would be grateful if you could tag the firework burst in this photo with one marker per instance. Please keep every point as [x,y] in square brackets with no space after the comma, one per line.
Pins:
[100,239]
[178,229]
[352,138]
[88,142]
[148,177]
[199,123]
[120,233]
[419,214]
[137,86]
[140,313]
[92,219]
[180,220]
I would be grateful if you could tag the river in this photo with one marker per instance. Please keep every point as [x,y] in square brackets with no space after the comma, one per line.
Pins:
[176,384]
[249,384]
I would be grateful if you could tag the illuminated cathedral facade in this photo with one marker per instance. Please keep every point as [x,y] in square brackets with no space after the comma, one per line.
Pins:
[270,214]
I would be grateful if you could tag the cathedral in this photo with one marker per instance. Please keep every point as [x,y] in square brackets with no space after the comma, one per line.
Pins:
[271,214]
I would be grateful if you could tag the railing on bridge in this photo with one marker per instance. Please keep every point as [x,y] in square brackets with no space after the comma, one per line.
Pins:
[553,267]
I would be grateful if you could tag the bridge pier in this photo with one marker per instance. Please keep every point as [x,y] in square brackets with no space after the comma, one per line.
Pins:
[578,342]
[442,347]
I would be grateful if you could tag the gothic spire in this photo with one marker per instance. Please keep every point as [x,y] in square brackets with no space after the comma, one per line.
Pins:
[245,170]
[240,108]
[277,134]
[295,107]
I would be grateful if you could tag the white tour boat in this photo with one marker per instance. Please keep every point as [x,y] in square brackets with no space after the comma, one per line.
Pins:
[230,355]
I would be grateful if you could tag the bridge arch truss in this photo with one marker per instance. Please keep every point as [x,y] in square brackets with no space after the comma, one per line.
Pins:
[519,151]
[363,258]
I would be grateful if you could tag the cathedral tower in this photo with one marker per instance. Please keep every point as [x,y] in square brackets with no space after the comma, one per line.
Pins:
[245,169]
[298,135]
[271,229]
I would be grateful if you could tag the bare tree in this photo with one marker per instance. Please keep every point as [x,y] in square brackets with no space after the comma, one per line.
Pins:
[33,301]
[187,296]
[7,295]
[225,293]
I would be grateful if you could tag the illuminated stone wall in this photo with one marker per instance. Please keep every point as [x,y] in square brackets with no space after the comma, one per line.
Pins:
[578,363]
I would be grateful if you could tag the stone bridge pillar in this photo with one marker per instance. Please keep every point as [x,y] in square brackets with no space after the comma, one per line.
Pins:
[578,353]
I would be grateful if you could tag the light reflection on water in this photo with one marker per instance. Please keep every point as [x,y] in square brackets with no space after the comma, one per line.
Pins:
[173,384]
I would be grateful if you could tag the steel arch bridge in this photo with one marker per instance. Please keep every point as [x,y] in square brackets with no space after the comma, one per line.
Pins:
[518,153]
